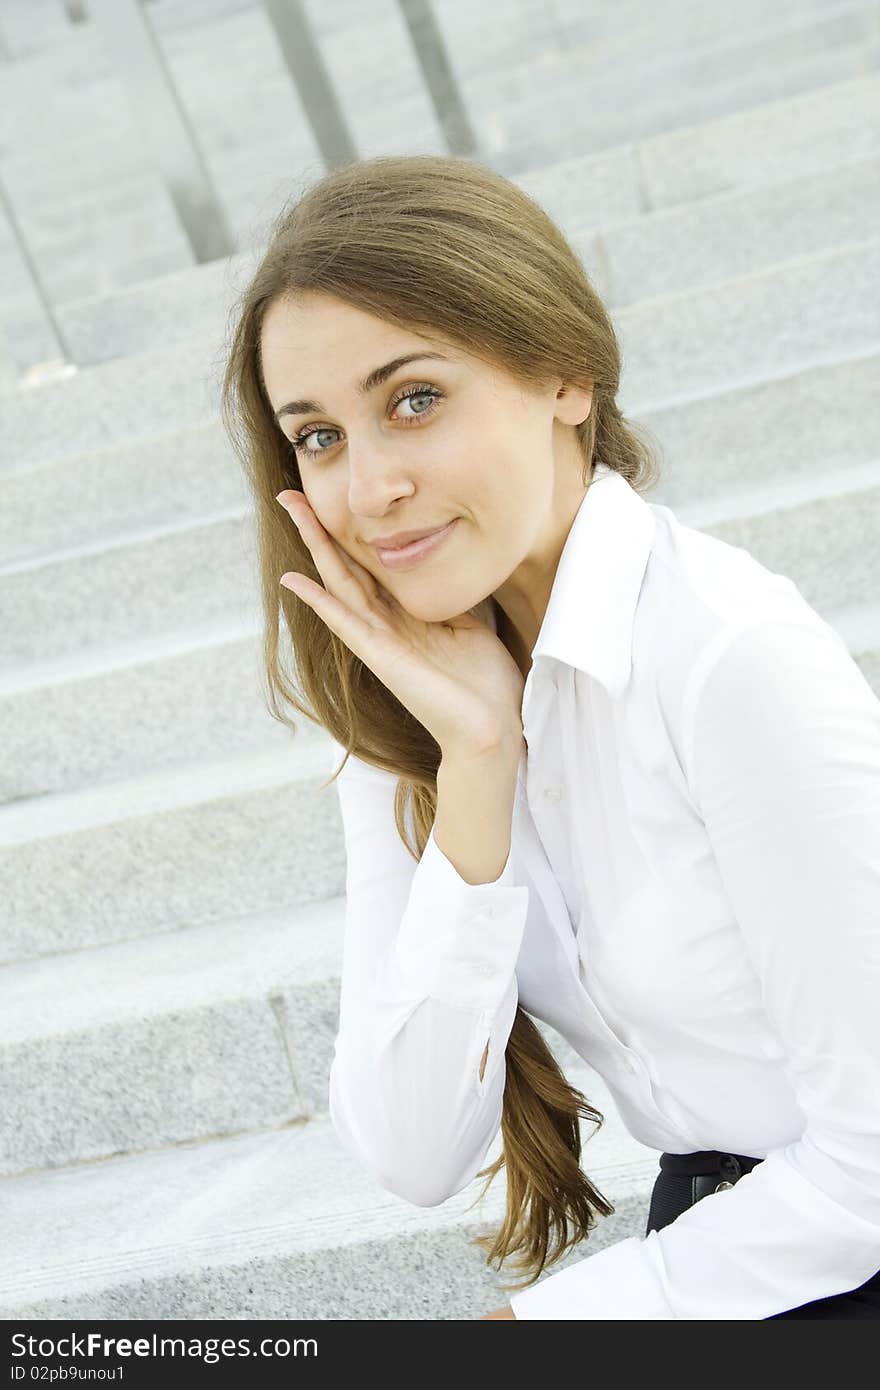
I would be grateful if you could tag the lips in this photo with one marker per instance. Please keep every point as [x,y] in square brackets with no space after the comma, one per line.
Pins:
[404,556]
[409,538]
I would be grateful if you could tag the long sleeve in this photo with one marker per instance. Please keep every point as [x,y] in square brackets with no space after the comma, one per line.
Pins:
[781,748]
[428,978]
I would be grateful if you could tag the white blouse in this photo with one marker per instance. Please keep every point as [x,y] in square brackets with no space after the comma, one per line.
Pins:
[692,899]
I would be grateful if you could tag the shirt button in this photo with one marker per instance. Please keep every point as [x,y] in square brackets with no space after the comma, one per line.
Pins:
[486,970]
[553,793]
[631,1064]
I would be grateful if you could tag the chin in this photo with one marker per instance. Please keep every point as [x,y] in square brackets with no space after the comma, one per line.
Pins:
[430,611]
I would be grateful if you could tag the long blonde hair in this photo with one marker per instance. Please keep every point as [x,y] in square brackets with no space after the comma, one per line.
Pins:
[447,245]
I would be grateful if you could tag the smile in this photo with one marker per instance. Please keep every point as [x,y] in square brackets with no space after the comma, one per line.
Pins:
[409,555]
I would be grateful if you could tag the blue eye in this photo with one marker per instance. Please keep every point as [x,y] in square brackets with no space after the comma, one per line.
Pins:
[411,393]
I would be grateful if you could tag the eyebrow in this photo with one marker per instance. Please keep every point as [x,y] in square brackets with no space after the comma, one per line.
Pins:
[369,383]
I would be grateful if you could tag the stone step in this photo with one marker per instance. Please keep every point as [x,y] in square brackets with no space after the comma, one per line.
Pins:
[622,35]
[787,138]
[95,246]
[175,387]
[172,848]
[42,185]
[501,58]
[38,29]
[72,726]
[280,1223]
[548,126]
[172,306]
[781,138]
[673,250]
[733,235]
[791,429]
[195,1032]
[807,312]
[803,137]
[754,329]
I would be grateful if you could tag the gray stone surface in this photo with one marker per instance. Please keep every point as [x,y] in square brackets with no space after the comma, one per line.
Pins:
[197,1032]
[679,72]
[76,728]
[816,132]
[838,533]
[169,849]
[536,132]
[738,234]
[154,313]
[808,426]
[630,255]
[807,312]
[146,585]
[132,398]
[276,1224]
[792,137]
[100,495]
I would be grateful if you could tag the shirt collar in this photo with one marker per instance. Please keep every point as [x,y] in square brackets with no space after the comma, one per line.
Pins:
[589,618]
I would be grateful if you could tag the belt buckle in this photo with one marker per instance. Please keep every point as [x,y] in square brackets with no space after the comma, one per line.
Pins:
[730,1169]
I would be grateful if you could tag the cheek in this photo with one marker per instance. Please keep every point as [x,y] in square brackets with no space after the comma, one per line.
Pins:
[325,507]
[343,530]
[329,506]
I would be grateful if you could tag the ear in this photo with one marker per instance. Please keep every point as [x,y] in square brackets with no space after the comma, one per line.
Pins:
[573,403]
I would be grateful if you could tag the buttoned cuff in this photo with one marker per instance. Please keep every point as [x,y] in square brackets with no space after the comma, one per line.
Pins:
[458,941]
[614,1285]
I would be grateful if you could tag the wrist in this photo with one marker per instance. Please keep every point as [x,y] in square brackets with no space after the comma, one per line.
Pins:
[493,748]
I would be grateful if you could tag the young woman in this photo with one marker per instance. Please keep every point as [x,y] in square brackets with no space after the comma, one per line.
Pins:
[603,769]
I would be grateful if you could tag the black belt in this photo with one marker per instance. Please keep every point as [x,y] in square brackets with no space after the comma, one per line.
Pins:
[710,1170]
[685,1178]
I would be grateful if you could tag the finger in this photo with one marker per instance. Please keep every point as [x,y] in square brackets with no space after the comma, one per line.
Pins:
[369,581]
[374,645]
[328,557]
[312,532]
[374,590]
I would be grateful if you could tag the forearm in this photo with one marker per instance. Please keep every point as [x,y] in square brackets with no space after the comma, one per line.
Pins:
[475,798]
[409,1092]
[472,824]
[406,1101]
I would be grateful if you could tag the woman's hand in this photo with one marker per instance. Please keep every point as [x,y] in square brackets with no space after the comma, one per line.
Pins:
[501,1313]
[456,677]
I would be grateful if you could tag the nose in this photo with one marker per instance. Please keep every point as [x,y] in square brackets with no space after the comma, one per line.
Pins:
[375,480]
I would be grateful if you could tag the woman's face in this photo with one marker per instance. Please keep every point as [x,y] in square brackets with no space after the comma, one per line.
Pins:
[438,439]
